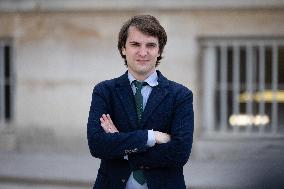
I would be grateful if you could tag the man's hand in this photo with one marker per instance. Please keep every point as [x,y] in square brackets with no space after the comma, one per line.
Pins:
[161,137]
[107,124]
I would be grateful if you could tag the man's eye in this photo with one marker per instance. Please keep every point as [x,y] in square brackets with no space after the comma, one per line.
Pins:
[135,44]
[151,45]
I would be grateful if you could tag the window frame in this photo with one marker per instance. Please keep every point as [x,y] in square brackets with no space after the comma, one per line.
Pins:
[7,82]
[208,48]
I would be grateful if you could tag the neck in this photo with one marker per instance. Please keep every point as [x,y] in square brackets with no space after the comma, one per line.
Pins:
[141,77]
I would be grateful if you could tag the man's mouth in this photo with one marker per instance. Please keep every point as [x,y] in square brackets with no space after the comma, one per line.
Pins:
[142,60]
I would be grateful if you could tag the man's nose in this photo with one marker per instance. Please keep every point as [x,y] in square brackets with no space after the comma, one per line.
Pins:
[143,51]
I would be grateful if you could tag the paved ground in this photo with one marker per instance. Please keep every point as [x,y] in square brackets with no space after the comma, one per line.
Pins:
[59,171]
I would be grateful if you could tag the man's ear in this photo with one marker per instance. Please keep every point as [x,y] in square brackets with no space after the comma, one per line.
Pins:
[123,51]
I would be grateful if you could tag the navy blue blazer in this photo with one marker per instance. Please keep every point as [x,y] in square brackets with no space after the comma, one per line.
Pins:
[169,109]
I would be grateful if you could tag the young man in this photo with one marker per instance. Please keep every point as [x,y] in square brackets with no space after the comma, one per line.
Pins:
[141,124]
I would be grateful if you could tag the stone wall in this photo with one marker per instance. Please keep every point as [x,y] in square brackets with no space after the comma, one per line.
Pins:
[60,55]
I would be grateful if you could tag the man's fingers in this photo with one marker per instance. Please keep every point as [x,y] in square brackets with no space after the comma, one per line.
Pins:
[102,120]
[107,124]
[104,127]
[109,119]
[104,117]
[162,137]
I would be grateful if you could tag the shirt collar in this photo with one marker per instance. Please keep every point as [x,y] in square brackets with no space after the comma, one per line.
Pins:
[152,80]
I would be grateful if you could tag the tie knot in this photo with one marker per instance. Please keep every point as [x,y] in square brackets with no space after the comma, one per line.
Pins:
[138,85]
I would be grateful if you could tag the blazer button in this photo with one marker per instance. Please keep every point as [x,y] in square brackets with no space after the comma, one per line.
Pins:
[123,180]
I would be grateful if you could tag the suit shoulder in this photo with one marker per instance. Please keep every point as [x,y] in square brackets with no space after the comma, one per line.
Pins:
[108,82]
[180,93]
[105,85]
[179,88]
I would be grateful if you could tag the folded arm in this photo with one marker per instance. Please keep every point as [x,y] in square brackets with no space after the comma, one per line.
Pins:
[176,152]
[109,127]
[110,145]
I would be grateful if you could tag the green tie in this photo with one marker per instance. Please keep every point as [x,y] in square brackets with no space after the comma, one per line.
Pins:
[138,174]
[138,100]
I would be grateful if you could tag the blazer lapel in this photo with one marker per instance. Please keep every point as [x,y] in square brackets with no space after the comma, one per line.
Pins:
[157,95]
[125,93]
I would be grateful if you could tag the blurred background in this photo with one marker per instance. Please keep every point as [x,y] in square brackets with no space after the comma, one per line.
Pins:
[229,53]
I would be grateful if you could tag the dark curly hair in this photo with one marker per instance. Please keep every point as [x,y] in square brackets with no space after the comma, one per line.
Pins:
[148,25]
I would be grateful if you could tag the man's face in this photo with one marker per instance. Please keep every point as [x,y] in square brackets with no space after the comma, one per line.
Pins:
[141,53]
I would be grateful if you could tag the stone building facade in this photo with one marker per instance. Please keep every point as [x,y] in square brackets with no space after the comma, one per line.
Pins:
[54,52]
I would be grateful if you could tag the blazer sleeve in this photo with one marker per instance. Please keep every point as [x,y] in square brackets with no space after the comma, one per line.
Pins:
[110,145]
[176,152]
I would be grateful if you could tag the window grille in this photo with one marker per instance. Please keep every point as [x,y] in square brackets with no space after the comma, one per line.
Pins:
[243,85]
[6,82]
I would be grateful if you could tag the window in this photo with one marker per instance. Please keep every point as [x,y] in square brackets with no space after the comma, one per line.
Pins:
[243,85]
[6,82]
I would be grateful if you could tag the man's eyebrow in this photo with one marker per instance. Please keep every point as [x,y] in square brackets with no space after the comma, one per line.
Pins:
[152,43]
[149,43]
[133,42]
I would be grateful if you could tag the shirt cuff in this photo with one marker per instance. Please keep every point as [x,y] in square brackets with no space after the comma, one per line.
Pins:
[151,138]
